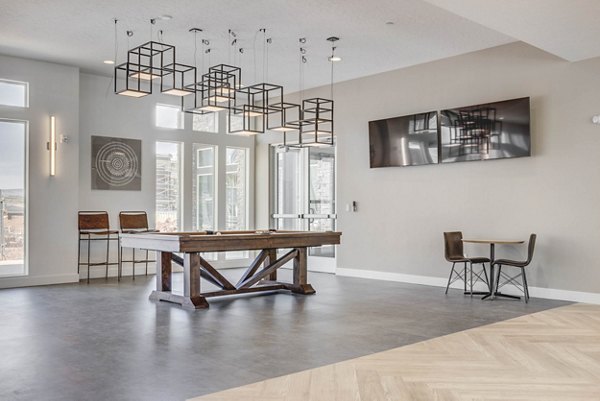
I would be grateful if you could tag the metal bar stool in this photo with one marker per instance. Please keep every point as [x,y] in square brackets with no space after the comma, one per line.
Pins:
[94,226]
[132,222]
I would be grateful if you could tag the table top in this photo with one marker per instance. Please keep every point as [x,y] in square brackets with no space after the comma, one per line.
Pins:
[493,241]
[204,241]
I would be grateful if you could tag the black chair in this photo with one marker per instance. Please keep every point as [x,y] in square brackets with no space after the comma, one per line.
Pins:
[454,253]
[517,264]
[133,222]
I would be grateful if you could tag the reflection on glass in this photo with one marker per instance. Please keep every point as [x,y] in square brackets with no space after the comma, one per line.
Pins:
[168,186]
[404,141]
[488,131]
[12,197]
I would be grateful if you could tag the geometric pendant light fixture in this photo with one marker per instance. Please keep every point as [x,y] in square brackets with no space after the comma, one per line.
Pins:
[255,108]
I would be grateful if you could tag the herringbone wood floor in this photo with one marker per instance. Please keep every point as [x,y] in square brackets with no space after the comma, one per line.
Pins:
[546,356]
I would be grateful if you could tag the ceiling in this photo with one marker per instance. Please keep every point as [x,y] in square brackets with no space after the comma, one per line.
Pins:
[81,32]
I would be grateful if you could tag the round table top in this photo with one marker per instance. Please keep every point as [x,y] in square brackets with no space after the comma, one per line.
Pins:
[493,241]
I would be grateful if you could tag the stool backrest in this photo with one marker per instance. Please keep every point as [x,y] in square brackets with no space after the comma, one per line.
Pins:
[133,221]
[531,247]
[93,220]
[453,245]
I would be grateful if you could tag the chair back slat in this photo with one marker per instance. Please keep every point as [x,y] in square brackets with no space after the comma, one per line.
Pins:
[133,220]
[93,220]
[453,245]
[531,247]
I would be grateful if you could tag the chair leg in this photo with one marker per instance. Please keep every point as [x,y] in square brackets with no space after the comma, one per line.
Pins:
[88,257]
[133,263]
[119,256]
[107,256]
[498,278]
[449,278]
[465,276]
[487,279]
[471,283]
[78,253]
[146,262]
[525,286]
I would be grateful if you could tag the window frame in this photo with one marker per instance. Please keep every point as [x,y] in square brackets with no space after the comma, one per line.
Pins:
[180,117]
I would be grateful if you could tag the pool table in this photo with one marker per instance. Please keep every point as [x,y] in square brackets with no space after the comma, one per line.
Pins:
[260,276]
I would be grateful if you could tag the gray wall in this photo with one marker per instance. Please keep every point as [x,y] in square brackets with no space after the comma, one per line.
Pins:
[402,212]
[105,114]
[53,201]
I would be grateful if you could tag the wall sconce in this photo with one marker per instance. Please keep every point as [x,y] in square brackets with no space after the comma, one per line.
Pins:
[52,146]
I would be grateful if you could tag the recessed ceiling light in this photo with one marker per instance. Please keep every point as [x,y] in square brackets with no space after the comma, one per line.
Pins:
[165,17]
[110,62]
[335,58]
[390,23]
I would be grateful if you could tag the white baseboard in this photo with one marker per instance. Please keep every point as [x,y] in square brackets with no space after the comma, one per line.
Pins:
[536,292]
[32,281]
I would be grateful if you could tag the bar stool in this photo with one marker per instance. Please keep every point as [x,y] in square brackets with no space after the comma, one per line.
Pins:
[132,222]
[94,226]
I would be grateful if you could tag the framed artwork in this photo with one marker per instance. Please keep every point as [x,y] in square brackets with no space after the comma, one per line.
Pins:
[116,163]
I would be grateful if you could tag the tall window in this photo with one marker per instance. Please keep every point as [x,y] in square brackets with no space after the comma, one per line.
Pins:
[206,122]
[13,158]
[169,116]
[14,93]
[236,202]
[204,187]
[168,186]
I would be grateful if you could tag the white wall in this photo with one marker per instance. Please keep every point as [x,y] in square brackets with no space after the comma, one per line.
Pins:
[105,114]
[402,212]
[53,201]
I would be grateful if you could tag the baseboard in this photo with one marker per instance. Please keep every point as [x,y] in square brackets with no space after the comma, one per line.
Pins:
[32,281]
[535,292]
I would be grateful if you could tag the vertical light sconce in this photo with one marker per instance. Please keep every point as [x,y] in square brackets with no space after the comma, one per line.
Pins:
[52,146]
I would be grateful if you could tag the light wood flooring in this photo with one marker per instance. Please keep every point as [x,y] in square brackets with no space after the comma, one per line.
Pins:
[545,356]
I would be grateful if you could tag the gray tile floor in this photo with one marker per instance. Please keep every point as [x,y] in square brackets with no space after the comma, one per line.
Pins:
[107,341]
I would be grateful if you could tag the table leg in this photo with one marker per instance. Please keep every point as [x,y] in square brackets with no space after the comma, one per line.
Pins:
[191,282]
[301,285]
[163,271]
[271,258]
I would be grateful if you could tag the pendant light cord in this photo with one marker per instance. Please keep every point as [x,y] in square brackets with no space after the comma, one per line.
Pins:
[116,42]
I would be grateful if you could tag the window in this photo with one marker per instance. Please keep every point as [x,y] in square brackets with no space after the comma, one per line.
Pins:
[168,186]
[204,185]
[13,157]
[236,194]
[236,202]
[206,122]
[14,93]
[169,116]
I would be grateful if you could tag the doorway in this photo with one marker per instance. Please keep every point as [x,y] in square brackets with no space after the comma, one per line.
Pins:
[303,196]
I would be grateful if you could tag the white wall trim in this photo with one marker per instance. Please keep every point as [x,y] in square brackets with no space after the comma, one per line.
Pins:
[31,281]
[536,292]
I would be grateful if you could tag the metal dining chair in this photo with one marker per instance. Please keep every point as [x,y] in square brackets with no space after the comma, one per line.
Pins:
[132,222]
[521,265]
[454,253]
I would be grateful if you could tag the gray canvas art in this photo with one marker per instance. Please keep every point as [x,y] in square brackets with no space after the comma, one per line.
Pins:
[116,163]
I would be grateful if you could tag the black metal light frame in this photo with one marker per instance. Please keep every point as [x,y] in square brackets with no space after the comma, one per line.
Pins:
[316,125]
[178,79]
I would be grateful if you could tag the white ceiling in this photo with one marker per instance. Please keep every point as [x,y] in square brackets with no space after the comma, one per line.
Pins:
[80,32]
[569,29]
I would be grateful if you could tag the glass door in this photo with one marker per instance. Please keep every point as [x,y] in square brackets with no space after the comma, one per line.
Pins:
[13,217]
[303,196]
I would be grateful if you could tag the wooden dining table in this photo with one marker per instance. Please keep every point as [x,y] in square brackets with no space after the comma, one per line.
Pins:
[492,243]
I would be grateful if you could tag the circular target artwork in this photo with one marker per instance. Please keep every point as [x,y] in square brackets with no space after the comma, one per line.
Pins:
[116,163]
